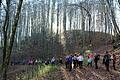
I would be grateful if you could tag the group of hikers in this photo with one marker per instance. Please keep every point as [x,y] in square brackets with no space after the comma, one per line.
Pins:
[77,59]
[73,61]
[34,61]
[30,61]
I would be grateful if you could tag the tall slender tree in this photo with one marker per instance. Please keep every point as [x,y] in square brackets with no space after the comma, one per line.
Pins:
[8,44]
[116,28]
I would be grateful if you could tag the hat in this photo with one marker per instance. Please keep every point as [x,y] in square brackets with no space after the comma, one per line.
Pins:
[81,51]
[88,51]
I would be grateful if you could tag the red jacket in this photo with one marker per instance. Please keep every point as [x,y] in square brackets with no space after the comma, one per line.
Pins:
[90,55]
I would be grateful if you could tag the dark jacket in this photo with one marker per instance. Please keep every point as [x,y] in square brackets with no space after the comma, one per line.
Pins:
[106,59]
[97,57]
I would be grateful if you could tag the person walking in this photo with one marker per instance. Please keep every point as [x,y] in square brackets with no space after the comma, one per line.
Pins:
[96,59]
[70,62]
[90,59]
[53,61]
[75,61]
[60,61]
[66,61]
[114,61]
[80,60]
[106,60]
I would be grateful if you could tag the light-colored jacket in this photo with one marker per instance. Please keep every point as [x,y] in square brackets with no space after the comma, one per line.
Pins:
[74,58]
[80,58]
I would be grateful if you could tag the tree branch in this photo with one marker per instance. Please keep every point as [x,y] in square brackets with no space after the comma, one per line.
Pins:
[4,7]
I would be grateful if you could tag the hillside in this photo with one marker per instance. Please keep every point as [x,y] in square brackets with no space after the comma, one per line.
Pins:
[76,40]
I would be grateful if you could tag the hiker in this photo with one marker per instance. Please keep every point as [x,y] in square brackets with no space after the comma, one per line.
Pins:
[114,61]
[75,61]
[96,59]
[66,61]
[106,60]
[60,61]
[33,61]
[36,62]
[23,62]
[70,62]
[90,59]
[53,61]
[80,60]
[30,62]
[47,61]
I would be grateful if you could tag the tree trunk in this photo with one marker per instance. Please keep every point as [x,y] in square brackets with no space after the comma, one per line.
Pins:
[10,44]
[64,22]
[83,27]
[116,28]
[5,27]
[119,2]
[89,28]
[57,17]
[52,21]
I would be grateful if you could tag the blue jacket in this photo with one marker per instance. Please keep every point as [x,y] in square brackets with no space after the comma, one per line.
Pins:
[70,59]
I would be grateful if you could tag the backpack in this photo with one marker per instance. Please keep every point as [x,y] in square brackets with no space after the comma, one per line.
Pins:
[106,59]
[97,57]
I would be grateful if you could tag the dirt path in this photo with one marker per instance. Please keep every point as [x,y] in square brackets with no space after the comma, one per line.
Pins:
[88,73]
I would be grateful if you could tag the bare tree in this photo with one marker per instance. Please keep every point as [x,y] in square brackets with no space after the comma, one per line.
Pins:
[119,2]
[116,28]
[8,44]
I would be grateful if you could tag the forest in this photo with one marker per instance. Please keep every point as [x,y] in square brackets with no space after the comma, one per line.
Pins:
[33,33]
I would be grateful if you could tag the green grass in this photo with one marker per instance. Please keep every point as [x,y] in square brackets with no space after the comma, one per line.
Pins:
[85,62]
[41,70]
[46,69]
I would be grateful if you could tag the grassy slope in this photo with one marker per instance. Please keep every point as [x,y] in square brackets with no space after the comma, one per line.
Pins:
[37,72]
